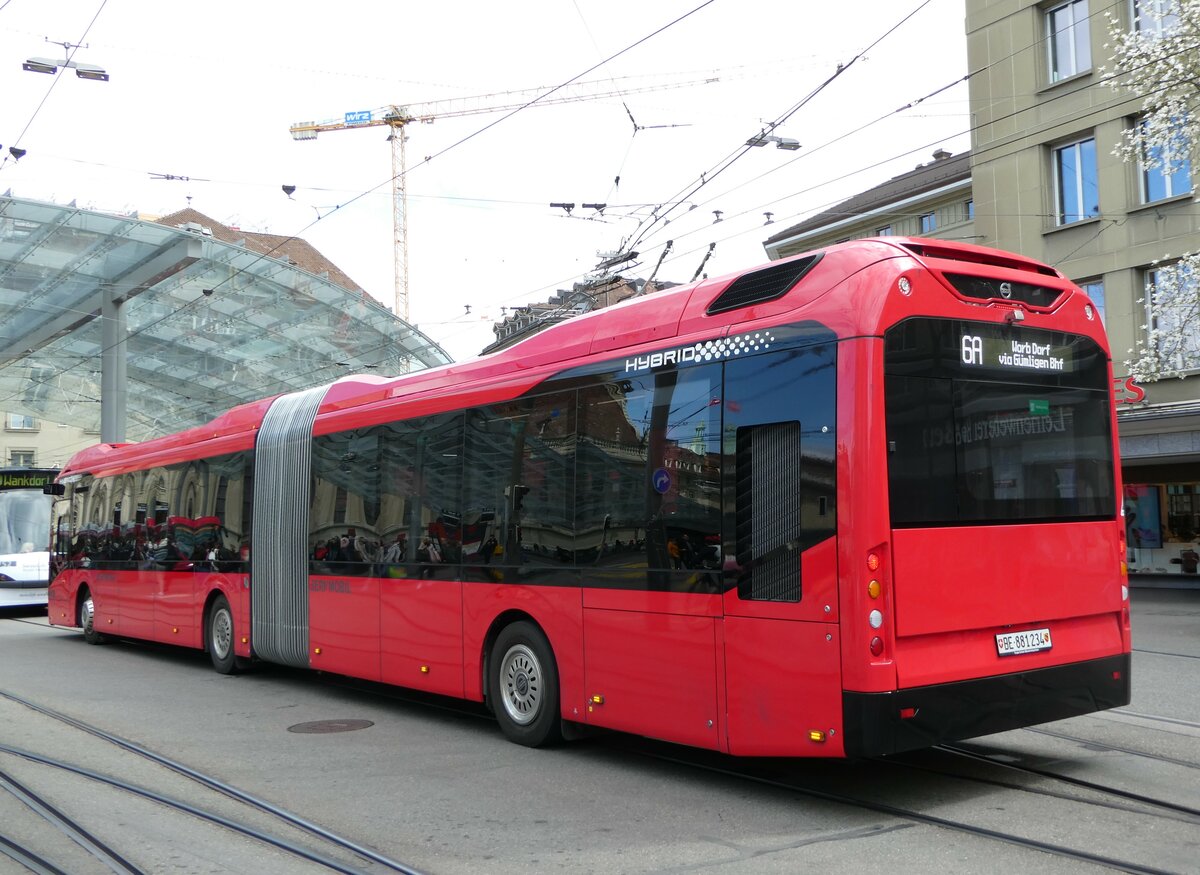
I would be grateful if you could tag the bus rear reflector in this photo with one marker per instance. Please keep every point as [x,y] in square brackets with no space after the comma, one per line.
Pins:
[908,713]
[876,646]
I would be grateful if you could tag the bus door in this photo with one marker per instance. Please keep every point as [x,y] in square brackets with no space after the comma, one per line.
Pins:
[648,520]
[781,636]
[420,598]
[343,590]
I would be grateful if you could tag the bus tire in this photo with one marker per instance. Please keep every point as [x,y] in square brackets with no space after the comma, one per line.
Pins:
[523,686]
[219,637]
[87,618]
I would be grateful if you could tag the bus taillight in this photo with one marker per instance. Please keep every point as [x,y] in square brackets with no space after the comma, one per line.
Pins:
[874,591]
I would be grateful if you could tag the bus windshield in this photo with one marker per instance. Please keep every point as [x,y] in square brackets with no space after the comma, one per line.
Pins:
[990,425]
[24,521]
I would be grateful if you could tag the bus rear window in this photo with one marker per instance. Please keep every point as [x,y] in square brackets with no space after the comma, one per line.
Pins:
[967,446]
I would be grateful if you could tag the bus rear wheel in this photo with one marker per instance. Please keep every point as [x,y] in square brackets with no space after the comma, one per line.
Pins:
[523,686]
[220,637]
[87,619]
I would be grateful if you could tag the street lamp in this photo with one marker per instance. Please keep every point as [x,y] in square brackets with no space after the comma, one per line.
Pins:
[780,142]
[49,65]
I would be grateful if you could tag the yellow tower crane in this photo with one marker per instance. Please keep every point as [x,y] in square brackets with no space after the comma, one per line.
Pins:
[397,117]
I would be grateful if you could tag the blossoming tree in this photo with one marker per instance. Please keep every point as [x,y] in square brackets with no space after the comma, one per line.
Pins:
[1159,62]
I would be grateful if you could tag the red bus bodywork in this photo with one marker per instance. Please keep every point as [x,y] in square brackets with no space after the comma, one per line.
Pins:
[817,675]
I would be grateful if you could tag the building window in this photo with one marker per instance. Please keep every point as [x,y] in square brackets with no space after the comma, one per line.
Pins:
[1166,179]
[22,458]
[885,231]
[1155,16]
[969,211]
[20,422]
[1095,291]
[1068,39]
[1170,297]
[928,223]
[1077,187]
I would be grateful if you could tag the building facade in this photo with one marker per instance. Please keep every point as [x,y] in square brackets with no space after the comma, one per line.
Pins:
[1043,181]
[1047,184]
[932,200]
[594,294]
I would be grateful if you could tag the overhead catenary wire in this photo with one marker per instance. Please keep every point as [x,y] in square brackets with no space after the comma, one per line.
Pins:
[387,181]
[1015,112]
[724,164]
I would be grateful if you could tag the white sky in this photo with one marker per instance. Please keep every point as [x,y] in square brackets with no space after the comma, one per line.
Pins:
[209,90]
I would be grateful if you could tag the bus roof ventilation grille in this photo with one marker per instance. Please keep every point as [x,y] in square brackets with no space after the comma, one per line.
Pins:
[985,289]
[762,285]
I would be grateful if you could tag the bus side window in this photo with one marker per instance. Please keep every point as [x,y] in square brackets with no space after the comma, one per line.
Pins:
[779,455]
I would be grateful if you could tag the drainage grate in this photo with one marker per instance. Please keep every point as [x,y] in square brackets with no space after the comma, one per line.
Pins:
[319,726]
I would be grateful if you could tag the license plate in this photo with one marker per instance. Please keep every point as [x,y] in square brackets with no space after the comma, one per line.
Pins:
[1013,643]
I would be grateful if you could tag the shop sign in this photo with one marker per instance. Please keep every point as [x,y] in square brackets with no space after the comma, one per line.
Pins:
[1127,391]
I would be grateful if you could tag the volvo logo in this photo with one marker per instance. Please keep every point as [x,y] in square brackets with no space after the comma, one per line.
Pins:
[1006,290]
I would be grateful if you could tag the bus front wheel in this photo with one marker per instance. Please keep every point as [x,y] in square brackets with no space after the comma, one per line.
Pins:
[87,619]
[523,686]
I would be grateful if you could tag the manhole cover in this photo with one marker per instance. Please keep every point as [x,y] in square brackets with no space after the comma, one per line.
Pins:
[331,726]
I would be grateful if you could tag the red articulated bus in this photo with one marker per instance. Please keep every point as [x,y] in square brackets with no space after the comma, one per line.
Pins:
[854,502]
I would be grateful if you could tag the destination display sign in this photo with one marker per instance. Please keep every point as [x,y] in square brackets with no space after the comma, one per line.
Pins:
[1015,354]
[25,480]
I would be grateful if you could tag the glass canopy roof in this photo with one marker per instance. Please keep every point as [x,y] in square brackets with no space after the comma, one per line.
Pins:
[210,324]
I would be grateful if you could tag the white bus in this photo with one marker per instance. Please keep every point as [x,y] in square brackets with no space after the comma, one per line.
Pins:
[24,535]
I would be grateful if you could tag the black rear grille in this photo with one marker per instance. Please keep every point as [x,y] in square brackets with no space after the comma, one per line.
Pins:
[762,285]
[987,289]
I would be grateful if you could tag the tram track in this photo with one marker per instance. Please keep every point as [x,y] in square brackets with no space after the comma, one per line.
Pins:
[744,770]
[240,826]
[1156,718]
[27,621]
[903,813]
[1190,814]
[1115,748]
[65,825]
[1167,653]
[695,759]
[98,851]
[22,856]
